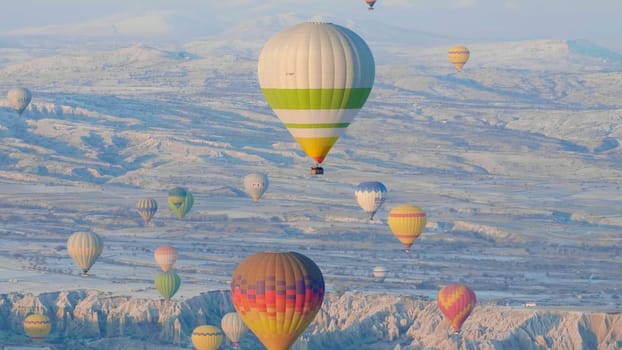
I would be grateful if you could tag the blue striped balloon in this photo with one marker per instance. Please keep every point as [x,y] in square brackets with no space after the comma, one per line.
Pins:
[370,196]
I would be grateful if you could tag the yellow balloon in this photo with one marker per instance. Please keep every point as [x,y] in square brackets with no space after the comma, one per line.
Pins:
[206,337]
[84,248]
[458,55]
[407,222]
[37,326]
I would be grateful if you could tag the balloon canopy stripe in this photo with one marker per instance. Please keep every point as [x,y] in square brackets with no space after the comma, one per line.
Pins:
[316,126]
[309,99]
[317,147]
[407,215]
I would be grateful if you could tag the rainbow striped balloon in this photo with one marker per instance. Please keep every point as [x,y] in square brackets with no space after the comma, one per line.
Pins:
[456,301]
[316,77]
[277,295]
[407,222]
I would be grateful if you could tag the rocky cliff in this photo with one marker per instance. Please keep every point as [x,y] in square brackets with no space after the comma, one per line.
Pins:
[89,319]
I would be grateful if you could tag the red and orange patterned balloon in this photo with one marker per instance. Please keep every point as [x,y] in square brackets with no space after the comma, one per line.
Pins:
[277,295]
[456,301]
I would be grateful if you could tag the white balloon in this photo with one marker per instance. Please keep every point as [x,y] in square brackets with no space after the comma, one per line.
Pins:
[233,327]
[255,185]
[18,99]
[370,196]
[379,273]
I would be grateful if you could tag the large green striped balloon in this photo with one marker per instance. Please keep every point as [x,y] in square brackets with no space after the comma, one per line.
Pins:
[316,77]
[167,283]
[180,200]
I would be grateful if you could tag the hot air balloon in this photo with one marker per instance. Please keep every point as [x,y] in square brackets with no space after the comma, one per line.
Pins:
[379,273]
[300,344]
[277,295]
[165,256]
[167,283]
[370,3]
[456,301]
[180,201]
[147,208]
[255,185]
[19,99]
[84,248]
[233,327]
[316,77]
[407,222]
[37,327]
[458,56]
[206,337]
[370,196]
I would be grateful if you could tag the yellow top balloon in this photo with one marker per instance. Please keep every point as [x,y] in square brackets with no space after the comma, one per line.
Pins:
[316,77]
[206,337]
[407,222]
[458,56]
[37,327]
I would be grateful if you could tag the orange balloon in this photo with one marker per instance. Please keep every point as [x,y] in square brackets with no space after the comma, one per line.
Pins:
[456,301]
[277,295]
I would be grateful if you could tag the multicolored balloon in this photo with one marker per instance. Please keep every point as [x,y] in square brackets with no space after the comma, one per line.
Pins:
[206,337]
[84,248]
[407,222]
[316,77]
[167,283]
[456,301]
[165,256]
[370,196]
[370,3]
[458,56]
[277,295]
[19,99]
[255,185]
[233,327]
[147,207]
[37,327]
[180,201]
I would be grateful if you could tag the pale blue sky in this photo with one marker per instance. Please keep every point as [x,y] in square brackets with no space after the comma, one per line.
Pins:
[473,20]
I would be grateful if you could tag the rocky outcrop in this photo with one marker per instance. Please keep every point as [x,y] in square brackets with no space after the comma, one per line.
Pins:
[89,319]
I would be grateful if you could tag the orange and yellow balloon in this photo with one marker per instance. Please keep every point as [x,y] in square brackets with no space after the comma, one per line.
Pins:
[206,337]
[458,56]
[165,256]
[456,301]
[407,222]
[37,327]
[277,295]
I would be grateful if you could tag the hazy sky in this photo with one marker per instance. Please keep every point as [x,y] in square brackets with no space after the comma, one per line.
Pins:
[596,20]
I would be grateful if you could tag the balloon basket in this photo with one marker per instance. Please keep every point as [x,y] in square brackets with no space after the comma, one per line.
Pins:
[317,170]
